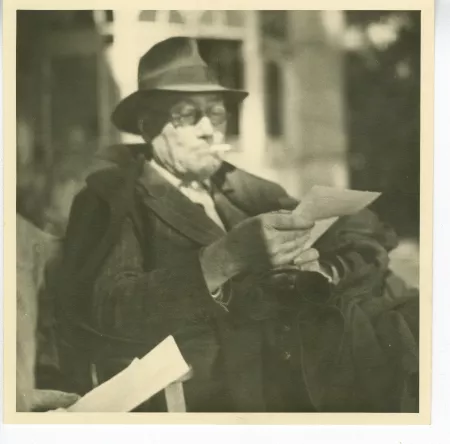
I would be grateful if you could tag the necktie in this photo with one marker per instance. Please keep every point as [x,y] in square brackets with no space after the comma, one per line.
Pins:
[199,195]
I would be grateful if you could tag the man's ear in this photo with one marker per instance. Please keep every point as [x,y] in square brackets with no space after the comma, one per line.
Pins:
[150,127]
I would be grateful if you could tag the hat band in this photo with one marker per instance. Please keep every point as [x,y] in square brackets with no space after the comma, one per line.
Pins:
[189,75]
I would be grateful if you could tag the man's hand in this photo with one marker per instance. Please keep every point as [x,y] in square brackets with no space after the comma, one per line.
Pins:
[258,244]
[307,260]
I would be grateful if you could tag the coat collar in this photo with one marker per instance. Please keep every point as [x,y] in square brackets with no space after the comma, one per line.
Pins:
[175,208]
[116,186]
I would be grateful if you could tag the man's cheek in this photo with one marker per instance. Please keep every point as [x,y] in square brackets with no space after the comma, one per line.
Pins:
[190,159]
[187,136]
[184,154]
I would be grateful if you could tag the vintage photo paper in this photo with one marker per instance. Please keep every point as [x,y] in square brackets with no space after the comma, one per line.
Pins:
[218,215]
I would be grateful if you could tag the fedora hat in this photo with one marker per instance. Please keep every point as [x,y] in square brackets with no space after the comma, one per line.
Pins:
[173,65]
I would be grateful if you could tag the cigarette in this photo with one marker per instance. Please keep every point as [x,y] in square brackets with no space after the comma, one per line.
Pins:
[222,148]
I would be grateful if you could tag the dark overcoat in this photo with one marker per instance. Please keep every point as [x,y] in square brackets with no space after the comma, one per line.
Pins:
[256,356]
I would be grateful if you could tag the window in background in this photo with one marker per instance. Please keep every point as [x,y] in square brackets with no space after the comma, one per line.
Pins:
[207,18]
[175,17]
[273,94]
[109,16]
[74,108]
[147,16]
[235,18]
[274,24]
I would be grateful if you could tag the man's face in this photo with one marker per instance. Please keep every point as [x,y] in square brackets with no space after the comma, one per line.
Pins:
[195,124]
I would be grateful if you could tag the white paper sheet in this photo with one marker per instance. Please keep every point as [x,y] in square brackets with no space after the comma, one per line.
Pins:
[142,379]
[324,205]
[320,228]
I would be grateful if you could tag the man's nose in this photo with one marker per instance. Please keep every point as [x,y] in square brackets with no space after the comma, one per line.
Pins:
[204,128]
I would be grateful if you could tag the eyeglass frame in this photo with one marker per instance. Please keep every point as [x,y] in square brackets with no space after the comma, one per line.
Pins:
[197,113]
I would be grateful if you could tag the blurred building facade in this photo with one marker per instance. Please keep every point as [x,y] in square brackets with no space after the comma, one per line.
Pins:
[291,127]
[74,66]
[64,86]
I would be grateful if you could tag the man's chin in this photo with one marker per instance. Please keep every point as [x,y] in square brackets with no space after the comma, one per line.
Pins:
[205,172]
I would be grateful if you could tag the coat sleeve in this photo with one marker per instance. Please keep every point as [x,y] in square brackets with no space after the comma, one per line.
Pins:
[149,305]
[359,247]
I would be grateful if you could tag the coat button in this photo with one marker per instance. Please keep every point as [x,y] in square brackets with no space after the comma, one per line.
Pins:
[286,356]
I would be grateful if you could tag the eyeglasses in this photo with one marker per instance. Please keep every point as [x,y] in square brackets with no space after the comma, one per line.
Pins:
[186,114]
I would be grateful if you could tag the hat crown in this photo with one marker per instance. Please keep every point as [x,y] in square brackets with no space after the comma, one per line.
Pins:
[171,62]
[173,65]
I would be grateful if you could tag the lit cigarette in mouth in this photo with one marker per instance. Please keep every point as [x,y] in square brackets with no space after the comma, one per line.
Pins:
[221,149]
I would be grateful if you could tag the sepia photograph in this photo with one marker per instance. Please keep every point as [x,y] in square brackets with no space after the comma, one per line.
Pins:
[218,211]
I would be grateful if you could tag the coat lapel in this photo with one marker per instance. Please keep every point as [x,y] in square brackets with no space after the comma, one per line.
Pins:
[229,213]
[176,209]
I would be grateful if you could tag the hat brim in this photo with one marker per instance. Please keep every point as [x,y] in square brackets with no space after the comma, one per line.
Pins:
[127,113]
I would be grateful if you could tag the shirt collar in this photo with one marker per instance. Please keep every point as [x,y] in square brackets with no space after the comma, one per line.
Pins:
[173,180]
[176,181]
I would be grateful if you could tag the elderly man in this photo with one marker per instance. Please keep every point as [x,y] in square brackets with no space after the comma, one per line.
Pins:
[175,241]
